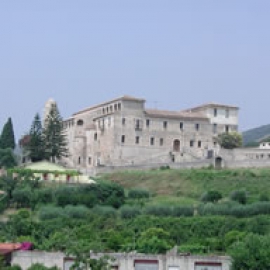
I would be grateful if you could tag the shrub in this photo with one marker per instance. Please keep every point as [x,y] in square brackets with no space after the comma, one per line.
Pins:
[186,211]
[161,210]
[78,211]
[50,212]
[45,196]
[211,196]
[22,197]
[107,211]
[239,196]
[129,211]
[138,194]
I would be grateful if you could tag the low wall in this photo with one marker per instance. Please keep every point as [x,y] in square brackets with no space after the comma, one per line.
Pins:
[123,261]
[182,165]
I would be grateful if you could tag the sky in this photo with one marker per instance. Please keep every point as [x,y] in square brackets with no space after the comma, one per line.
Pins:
[175,54]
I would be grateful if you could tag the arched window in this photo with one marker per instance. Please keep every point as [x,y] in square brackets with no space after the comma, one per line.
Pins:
[80,122]
[176,145]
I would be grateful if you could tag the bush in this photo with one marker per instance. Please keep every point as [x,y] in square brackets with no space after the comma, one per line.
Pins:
[78,211]
[50,212]
[129,211]
[22,197]
[211,196]
[107,211]
[161,210]
[239,196]
[138,194]
[186,211]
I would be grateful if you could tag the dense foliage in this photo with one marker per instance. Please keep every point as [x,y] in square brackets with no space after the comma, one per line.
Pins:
[230,140]
[7,139]
[54,136]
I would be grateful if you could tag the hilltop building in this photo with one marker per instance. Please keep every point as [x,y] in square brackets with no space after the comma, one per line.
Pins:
[122,132]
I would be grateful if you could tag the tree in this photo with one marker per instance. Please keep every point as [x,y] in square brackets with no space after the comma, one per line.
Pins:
[35,145]
[211,196]
[7,158]
[230,140]
[54,137]
[154,240]
[252,253]
[7,139]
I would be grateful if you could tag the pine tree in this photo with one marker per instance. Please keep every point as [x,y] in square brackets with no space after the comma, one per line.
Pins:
[54,136]
[35,146]
[7,139]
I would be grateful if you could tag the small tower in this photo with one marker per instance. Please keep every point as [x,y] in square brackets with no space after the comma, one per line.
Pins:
[47,108]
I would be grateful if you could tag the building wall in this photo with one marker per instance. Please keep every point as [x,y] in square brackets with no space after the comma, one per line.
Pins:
[122,133]
[124,261]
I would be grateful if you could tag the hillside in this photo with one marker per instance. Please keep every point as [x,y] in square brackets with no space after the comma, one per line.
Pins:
[189,185]
[256,134]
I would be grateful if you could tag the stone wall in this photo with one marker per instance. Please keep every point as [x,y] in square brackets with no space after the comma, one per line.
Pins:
[122,261]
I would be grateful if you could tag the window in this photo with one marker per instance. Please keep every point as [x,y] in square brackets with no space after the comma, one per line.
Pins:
[115,107]
[123,121]
[199,144]
[95,136]
[181,125]
[215,112]
[123,138]
[191,143]
[227,113]
[165,124]
[79,160]
[161,141]
[119,106]
[80,122]
[138,124]
[227,129]
[147,122]
[152,140]
[197,126]
[89,160]
[137,139]
[215,128]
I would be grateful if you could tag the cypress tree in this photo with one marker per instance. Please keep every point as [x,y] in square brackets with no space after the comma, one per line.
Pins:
[7,139]
[35,146]
[54,136]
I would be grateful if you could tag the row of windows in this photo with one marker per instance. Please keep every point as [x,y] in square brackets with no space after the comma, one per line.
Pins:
[161,142]
[111,108]
[139,124]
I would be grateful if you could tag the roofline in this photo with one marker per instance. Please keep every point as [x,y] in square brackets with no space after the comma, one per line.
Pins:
[211,104]
[122,98]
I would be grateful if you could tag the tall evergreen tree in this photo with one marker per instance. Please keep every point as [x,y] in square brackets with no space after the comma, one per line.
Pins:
[54,136]
[35,146]
[7,139]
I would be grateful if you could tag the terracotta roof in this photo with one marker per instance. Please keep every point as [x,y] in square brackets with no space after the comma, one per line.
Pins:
[125,98]
[6,248]
[211,104]
[175,114]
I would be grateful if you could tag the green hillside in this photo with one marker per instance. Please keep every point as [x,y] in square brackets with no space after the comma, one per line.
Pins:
[191,184]
[256,134]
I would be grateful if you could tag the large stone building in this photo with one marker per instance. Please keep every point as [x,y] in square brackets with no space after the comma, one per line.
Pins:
[122,132]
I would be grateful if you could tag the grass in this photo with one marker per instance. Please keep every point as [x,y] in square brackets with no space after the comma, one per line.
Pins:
[187,186]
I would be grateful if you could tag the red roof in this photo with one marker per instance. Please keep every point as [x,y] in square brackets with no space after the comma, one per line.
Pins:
[6,248]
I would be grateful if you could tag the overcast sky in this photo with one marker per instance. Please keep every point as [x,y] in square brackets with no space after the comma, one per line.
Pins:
[174,53]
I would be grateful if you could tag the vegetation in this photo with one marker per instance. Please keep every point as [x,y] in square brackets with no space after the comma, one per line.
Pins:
[105,217]
[54,137]
[230,140]
[35,145]
[256,134]
[7,139]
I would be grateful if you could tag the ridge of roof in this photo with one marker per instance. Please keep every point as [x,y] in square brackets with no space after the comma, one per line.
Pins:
[210,104]
[124,97]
